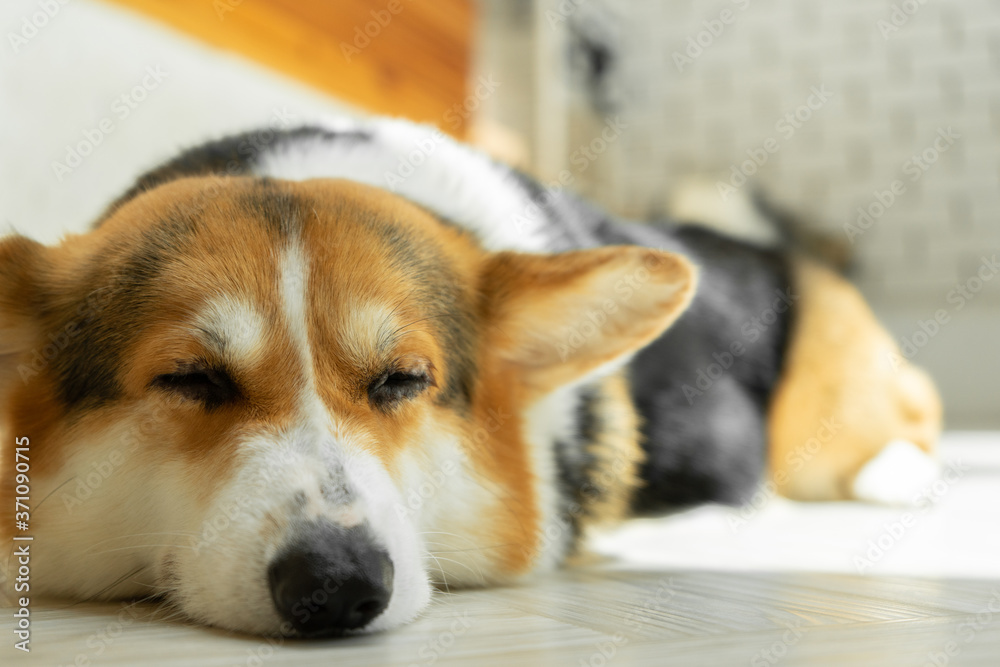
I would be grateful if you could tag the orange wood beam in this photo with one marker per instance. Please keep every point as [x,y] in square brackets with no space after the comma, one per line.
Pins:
[407,58]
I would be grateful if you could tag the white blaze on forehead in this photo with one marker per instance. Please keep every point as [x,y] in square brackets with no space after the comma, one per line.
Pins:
[236,325]
[294,283]
[294,290]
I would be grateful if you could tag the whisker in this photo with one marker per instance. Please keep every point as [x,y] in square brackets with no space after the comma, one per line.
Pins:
[441,570]
[130,535]
[462,551]
[141,546]
[175,613]
[464,538]
[478,573]
[49,495]
[96,597]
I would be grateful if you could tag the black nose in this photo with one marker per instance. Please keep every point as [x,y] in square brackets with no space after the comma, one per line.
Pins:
[330,579]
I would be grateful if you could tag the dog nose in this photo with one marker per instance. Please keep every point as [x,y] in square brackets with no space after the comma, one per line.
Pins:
[330,579]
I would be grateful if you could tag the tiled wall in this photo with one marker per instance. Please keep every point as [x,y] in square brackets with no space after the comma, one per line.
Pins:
[885,85]
[889,98]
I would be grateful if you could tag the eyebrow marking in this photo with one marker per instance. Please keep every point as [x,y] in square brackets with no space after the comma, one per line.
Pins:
[234,327]
[367,329]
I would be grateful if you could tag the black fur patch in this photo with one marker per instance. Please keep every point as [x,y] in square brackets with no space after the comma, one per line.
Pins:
[231,156]
[278,209]
[115,301]
[577,464]
[702,389]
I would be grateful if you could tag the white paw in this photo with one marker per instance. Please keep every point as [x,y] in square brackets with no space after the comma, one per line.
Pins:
[897,475]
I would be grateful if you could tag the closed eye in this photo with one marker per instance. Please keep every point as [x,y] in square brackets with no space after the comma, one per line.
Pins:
[209,386]
[392,388]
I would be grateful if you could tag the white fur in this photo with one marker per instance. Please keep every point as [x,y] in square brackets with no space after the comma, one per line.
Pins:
[550,419]
[365,323]
[294,283]
[453,506]
[224,580]
[896,475]
[97,543]
[452,180]
[238,324]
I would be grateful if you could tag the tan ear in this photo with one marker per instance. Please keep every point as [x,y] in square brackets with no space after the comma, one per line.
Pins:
[20,260]
[560,317]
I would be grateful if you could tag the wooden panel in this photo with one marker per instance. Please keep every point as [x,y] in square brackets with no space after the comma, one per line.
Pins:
[414,62]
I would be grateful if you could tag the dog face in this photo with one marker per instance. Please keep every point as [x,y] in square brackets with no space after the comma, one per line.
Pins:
[291,407]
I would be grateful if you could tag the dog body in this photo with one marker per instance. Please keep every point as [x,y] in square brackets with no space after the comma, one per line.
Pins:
[293,378]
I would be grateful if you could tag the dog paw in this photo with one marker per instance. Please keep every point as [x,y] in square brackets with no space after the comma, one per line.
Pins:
[896,475]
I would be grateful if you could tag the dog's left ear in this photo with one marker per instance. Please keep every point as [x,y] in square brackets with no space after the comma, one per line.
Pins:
[561,317]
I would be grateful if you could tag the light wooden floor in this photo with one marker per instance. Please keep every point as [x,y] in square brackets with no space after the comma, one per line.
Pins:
[589,617]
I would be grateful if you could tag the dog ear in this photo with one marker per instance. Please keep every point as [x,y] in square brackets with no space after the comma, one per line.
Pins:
[20,265]
[560,317]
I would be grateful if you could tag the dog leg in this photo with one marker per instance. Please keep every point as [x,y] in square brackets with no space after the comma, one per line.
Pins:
[847,402]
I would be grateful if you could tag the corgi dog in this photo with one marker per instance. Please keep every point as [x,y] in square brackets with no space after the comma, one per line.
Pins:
[294,379]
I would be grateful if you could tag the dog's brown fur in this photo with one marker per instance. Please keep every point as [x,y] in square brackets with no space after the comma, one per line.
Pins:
[846,391]
[484,327]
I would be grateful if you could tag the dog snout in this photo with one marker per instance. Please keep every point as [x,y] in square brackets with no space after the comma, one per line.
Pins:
[330,579]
